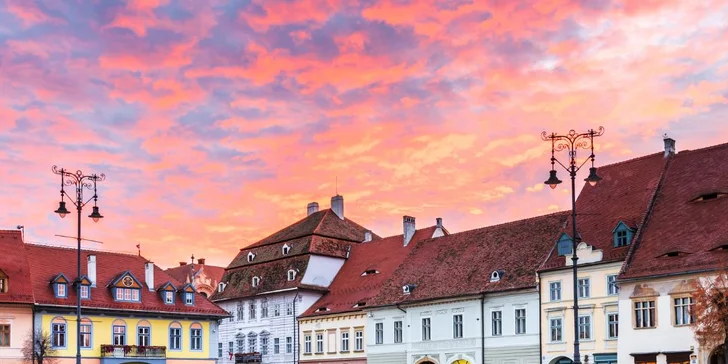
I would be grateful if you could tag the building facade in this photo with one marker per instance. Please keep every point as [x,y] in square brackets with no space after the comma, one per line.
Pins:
[16,297]
[204,278]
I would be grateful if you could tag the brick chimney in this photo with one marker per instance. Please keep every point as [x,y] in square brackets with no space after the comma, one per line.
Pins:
[337,206]
[92,269]
[201,261]
[367,236]
[312,208]
[182,264]
[409,228]
[669,146]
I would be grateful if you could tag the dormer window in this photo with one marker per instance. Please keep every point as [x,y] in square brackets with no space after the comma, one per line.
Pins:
[622,235]
[189,298]
[322,309]
[710,196]
[564,246]
[496,276]
[256,281]
[84,292]
[220,287]
[369,272]
[407,289]
[3,282]
[251,256]
[168,297]
[61,290]
[60,286]
[291,275]
[360,304]
[674,253]
[286,249]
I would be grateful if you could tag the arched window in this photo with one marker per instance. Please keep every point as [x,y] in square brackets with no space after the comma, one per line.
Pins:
[144,333]
[196,337]
[86,333]
[58,332]
[291,275]
[286,249]
[496,276]
[118,329]
[251,256]
[256,281]
[252,342]
[175,336]
[264,342]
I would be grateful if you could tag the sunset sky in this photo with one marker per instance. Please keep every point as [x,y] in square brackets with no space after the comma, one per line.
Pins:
[216,122]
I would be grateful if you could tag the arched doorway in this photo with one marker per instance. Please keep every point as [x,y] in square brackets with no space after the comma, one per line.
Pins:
[717,356]
[461,361]
[426,360]
[561,360]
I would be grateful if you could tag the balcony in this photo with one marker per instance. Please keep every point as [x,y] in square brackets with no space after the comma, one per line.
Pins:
[113,354]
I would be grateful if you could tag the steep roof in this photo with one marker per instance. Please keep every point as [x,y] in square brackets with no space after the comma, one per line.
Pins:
[14,264]
[680,223]
[351,287]
[461,263]
[623,195]
[183,272]
[47,262]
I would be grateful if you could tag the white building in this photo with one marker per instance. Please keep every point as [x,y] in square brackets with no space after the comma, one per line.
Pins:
[465,298]
[271,282]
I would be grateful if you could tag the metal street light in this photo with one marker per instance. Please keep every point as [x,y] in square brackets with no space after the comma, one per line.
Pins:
[571,142]
[79,181]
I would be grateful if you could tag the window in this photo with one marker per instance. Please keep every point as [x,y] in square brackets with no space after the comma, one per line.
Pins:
[127,294]
[495,276]
[497,319]
[307,344]
[555,329]
[289,345]
[251,256]
[264,309]
[220,287]
[584,327]
[175,338]
[169,297]
[621,238]
[622,235]
[195,337]
[398,331]
[219,350]
[520,321]
[369,272]
[189,298]
[4,335]
[286,249]
[119,335]
[85,334]
[289,308]
[426,329]
[256,281]
[612,288]
[3,285]
[291,275]
[683,308]
[61,290]
[58,333]
[344,341]
[583,287]
[457,326]
[84,291]
[276,345]
[564,246]
[379,333]
[143,336]
[644,314]
[264,345]
[277,309]
[240,311]
[555,291]
[241,343]
[359,340]
[252,342]
[319,343]
[252,309]
[230,346]
[612,325]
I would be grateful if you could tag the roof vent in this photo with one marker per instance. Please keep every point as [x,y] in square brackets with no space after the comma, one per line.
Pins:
[322,309]
[407,289]
[367,236]
[221,286]
[251,256]
[496,276]
[369,272]
[360,304]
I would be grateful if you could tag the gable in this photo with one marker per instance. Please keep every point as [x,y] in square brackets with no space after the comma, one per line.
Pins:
[621,226]
[126,280]
[85,281]
[60,278]
[564,245]
[167,287]
[188,288]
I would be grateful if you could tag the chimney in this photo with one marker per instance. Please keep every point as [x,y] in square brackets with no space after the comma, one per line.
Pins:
[669,146]
[367,236]
[201,261]
[182,264]
[149,275]
[337,205]
[92,269]
[311,208]
[409,228]
[439,222]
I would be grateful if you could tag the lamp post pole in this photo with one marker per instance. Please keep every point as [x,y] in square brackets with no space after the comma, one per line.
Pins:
[79,181]
[571,142]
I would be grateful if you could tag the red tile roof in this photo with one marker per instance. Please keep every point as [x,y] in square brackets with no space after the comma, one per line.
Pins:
[678,223]
[14,263]
[461,263]
[624,194]
[183,272]
[273,277]
[47,262]
[350,287]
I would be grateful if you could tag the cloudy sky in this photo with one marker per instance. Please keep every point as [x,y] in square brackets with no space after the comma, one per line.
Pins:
[216,122]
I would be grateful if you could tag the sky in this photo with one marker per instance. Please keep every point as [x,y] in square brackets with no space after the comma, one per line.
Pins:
[216,122]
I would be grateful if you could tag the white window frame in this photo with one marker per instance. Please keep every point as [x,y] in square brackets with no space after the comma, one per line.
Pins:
[551,291]
[638,307]
[683,308]
[344,341]
[359,340]
[523,319]
[319,343]
[84,291]
[560,327]
[398,332]
[589,324]
[587,287]
[457,326]
[496,323]
[426,328]
[291,275]
[289,344]
[609,325]
[307,344]
[612,284]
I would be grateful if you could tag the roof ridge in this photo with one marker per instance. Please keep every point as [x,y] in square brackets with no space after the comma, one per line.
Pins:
[513,222]
[51,246]
[416,230]
[716,146]
[632,159]
[321,221]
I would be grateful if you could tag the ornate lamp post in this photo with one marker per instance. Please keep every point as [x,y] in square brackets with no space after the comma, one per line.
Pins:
[571,142]
[79,181]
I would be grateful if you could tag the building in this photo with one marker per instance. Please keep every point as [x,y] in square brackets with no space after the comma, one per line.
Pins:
[465,298]
[609,217]
[204,278]
[16,297]
[272,281]
[332,330]
[685,239]
[132,311]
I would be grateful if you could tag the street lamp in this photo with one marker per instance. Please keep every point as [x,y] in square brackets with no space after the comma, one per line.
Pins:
[571,142]
[79,181]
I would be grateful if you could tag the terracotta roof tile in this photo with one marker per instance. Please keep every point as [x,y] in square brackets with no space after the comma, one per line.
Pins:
[14,263]
[678,223]
[181,273]
[273,277]
[461,263]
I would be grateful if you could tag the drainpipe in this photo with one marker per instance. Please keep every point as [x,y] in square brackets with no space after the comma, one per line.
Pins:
[482,328]
[400,308]
[295,331]
[540,324]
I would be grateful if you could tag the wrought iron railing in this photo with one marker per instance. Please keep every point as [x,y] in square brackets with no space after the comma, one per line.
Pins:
[133,351]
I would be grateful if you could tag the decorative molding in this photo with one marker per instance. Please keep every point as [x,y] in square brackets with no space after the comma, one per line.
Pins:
[685,286]
[445,344]
[440,312]
[643,291]
[426,313]
[458,309]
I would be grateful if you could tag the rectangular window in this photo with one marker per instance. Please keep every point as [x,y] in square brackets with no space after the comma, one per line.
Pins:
[555,289]
[241,345]
[3,285]
[119,335]
[127,294]
[240,311]
[264,309]
[622,238]
[188,298]
[319,343]
[264,345]
[457,326]
[85,336]
[58,333]
[84,291]
[4,335]
[344,341]
[497,319]
[119,294]
[219,350]
[426,329]
[175,338]
[276,345]
[195,339]
[143,336]
[520,321]
[398,331]
[61,290]
[289,308]
[379,333]
[277,310]
[252,310]
[289,345]
[359,338]
[612,325]
[683,308]
[612,289]
[585,327]
[583,287]
[168,297]
[252,343]
[134,294]
[555,329]
[230,346]
[307,344]
[644,314]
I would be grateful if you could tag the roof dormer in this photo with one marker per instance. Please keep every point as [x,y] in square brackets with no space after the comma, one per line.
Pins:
[496,276]
[291,274]
[3,282]
[255,281]
[359,304]
[710,196]
[408,288]
[187,293]
[286,249]
[85,287]
[60,286]
[126,288]
[564,245]
[622,235]
[369,272]
[322,309]
[221,287]
[251,257]
[167,292]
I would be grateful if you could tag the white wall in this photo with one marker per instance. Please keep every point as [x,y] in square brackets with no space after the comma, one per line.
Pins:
[507,304]
[322,270]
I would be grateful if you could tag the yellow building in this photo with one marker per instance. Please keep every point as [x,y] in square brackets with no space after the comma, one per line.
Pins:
[132,311]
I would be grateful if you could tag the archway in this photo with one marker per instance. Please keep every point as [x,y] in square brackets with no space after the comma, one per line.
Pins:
[461,361]
[561,360]
[426,360]
[717,356]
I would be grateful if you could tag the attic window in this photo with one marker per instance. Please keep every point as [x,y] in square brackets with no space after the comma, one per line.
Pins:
[360,304]
[675,253]
[622,235]
[322,309]
[710,196]
[407,289]
[286,249]
[256,281]
[564,245]
[220,287]
[369,272]
[251,256]
[496,276]
[3,282]
[721,247]
[291,275]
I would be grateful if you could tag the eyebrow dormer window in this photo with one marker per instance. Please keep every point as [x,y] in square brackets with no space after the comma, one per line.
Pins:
[286,249]
[322,309]
[710,196]
[3,282]
[369,272]
[291,275]
[360,304]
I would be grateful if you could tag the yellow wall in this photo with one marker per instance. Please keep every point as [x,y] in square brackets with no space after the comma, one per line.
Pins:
[102,335]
